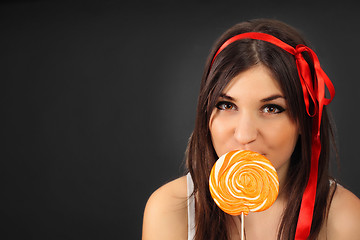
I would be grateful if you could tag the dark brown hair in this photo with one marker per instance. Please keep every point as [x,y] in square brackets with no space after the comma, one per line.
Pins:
[211,222]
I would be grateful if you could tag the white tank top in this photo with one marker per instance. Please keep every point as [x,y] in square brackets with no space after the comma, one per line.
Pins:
[191,207]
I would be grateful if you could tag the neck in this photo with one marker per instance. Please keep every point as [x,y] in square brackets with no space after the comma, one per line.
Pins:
[282,175]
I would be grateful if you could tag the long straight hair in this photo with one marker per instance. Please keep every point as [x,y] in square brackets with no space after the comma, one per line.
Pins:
[211,222]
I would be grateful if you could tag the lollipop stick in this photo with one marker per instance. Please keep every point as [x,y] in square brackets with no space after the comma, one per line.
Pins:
[242,226]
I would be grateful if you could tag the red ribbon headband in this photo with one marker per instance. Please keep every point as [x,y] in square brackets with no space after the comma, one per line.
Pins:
[313,88]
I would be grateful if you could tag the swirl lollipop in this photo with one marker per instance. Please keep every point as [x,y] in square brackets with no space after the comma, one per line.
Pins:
[243,181]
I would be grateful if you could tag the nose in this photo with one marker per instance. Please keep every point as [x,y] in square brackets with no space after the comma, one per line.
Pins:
[246,130]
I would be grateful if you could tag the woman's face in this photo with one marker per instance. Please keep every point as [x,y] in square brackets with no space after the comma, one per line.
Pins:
[251,114]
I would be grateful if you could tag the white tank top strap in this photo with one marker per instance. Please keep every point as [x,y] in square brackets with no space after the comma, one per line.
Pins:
[331,182]
[191,207]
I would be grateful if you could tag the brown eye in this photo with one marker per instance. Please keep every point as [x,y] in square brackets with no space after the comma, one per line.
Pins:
[273,109]
[225,106]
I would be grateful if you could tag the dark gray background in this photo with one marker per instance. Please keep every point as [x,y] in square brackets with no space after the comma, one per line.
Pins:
[99,100]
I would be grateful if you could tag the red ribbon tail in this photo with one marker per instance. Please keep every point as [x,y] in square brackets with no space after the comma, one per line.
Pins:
[308,200]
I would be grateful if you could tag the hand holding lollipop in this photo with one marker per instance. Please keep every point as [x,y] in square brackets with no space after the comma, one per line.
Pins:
[243,181]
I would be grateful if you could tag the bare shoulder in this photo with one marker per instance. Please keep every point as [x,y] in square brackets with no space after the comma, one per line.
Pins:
[165,215]
[344,216]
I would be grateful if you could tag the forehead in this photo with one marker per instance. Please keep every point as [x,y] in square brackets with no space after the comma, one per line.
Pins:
[256,81]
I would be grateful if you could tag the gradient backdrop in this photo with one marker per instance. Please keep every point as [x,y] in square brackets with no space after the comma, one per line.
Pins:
[99,100]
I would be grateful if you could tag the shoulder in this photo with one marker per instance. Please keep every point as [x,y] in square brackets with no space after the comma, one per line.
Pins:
[165,215]
[344,215]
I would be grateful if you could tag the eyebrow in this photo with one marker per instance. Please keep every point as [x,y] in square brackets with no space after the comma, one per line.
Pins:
[223,95]
[268,99]
[272,97]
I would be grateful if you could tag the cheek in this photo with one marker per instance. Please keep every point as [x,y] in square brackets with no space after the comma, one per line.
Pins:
[282,140]
[218,130]
[284,135]
[215,131]
[220,134]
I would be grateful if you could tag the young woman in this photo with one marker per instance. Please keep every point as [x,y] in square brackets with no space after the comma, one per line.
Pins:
[262,90]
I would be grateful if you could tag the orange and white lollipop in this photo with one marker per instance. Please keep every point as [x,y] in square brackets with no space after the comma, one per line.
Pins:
[243,181]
